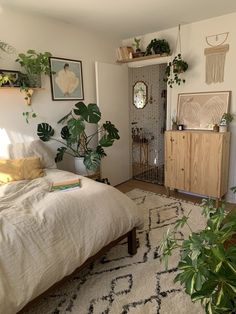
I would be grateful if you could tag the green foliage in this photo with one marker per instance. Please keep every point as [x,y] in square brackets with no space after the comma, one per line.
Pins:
[136,44]
[5,78]
[207,266]
[74,138]
[157,46]
[174,69]
[35,63]
[226,119]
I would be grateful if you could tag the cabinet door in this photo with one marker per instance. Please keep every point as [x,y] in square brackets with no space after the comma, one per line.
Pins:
[206,155]
[177,157]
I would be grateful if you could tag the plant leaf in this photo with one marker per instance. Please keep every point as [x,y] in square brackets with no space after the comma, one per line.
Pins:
[45,132]
[76,128]
[92,160]
[90,113]
[106,141]
[111,130]
[60,154]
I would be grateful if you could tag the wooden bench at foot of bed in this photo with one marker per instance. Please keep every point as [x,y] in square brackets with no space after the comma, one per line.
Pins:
[132,250]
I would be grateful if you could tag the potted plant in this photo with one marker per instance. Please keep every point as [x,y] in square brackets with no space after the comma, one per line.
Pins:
[34,64]
[74,139]
[158,46]
[207,266]
[136,45]
[174,123]
[174,70]
[225,121]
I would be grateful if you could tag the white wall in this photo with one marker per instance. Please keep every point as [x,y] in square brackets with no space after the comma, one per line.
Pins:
[193,45]
[62,40]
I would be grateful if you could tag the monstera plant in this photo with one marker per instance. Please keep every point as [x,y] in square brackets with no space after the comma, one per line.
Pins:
[74,139]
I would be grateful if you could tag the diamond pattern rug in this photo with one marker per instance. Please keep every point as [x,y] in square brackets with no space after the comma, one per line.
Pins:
[123,284]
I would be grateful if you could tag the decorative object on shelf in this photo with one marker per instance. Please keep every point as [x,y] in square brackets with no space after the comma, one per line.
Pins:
[180,127]
[216,128]
[124,53]
[66,79]
[174,123]
[207,264]
[177,66]
[225,121]
[9,78]
[34,64]
[158,46]
[202,110]
[75,141]
[215,57]
[140,94]
[138,53]
[174,69]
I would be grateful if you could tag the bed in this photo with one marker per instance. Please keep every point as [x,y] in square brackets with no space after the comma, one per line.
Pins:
[45,236]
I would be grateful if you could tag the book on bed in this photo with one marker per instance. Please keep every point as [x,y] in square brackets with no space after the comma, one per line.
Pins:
[67,185]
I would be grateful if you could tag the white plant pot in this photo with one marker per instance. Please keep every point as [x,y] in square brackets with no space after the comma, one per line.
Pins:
[80,167]
[223,128]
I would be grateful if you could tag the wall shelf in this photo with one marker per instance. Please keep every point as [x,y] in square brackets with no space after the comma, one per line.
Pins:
[147,60]
[27,92]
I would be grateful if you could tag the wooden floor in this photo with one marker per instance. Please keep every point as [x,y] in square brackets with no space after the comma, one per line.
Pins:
[133,184]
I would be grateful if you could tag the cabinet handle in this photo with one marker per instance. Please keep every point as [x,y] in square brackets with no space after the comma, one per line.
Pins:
[182,169]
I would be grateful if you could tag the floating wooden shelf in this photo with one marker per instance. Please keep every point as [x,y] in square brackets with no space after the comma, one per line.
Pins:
[146,60]
[28,92]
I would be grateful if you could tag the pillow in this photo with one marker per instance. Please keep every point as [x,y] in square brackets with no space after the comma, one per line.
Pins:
[20,169]
[34,148]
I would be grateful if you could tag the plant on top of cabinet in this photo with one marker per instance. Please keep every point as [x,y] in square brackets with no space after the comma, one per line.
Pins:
[158,46]
[174,69]
[225,120]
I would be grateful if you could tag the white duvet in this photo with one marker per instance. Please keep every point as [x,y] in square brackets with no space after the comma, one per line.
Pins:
[46,236]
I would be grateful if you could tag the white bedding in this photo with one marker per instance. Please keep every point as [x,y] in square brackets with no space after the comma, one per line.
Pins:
[46,236]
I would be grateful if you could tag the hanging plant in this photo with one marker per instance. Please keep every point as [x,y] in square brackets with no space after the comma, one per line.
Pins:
[174,69]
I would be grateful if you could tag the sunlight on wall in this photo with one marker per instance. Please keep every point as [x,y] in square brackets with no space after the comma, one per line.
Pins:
[4,140]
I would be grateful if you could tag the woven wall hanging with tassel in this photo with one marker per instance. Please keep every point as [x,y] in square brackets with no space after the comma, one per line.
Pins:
[215,58]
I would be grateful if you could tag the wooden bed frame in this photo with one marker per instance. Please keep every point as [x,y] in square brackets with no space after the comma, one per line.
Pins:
[132,249]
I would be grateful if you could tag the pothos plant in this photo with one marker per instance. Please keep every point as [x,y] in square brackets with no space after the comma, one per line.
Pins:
[74,139]
[174,70]
[33,64]
[207,266]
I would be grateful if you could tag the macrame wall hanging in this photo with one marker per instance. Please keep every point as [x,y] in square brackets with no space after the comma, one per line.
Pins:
[215,57]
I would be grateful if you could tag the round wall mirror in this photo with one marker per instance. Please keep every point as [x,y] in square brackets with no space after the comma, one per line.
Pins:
[140,94]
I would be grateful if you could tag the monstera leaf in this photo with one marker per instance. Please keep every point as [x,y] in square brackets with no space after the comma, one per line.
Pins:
[60,153]
[90,113]
[76,128]
[106,141]
[92,160]
[101,151]
[45,132]
[111,130]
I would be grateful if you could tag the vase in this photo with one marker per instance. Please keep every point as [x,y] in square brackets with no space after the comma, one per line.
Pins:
[223,128]
[80,167]
[34,80]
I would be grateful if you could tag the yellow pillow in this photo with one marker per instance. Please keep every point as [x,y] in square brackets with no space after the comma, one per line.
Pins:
[20,169]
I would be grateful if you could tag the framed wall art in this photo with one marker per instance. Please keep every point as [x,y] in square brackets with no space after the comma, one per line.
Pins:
[12,78]
[202,110]
[66,79]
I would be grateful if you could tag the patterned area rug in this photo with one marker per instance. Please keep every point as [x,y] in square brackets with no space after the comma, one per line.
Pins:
[123,284]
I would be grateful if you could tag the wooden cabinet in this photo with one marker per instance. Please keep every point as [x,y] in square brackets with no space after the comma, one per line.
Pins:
[197,162]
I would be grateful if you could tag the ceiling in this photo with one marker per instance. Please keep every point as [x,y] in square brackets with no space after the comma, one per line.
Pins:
[125,18]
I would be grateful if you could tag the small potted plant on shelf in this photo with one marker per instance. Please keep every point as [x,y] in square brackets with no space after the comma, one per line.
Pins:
[174,123]
[207,266]
[158,46]
[225,121]
[174,70]
[138,53]
[76,142]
